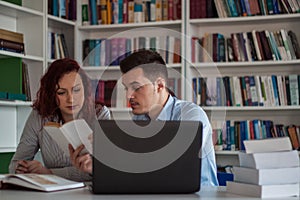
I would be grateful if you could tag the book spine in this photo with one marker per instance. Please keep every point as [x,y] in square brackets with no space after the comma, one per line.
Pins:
[9,45]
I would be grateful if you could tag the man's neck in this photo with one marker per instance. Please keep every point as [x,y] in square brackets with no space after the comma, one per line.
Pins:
[157,108]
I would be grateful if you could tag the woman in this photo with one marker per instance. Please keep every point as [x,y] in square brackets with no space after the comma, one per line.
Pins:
[65,94]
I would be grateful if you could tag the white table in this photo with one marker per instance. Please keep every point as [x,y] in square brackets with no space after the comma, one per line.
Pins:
[84,194]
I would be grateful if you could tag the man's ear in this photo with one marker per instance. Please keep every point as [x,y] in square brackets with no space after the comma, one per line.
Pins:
[161,84]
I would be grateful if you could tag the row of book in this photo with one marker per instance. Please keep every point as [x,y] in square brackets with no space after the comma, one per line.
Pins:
[57,46]
[253,90]
[106,91]
[268,168]
[12,41]
[240,8]
[63,8]
[129,11]
[246,46]
[230,134]
[109,52]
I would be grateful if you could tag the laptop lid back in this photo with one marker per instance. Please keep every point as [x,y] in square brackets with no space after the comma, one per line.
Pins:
[147,157]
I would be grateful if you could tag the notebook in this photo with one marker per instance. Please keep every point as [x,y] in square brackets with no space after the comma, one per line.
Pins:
[146,157]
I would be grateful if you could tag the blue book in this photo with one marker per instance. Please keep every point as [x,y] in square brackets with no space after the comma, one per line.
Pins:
[93,9]
[243,8]
[97,51]
[62,8]
[120,18]
[275,89]
[256,128]
[91,56]
[232,8]
[276,7]
[55,8]
[242,135]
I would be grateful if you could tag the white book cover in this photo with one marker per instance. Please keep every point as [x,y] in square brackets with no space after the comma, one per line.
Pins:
[281,90]
[269,160]
[41,182]
[267,176]
[256,45]
[263,191]
[258,89]
[268,145]
[75,132]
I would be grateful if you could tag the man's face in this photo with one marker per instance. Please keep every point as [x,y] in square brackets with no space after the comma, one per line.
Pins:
[140,91]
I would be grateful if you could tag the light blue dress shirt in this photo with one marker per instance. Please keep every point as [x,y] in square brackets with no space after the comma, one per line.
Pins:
[176,109]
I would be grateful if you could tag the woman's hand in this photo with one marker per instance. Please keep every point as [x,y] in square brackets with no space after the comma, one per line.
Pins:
[34,166]
[83,162]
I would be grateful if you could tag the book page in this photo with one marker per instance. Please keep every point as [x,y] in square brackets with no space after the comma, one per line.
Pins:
[78,132]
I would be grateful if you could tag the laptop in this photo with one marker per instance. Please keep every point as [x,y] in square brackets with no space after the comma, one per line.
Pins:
[147,157]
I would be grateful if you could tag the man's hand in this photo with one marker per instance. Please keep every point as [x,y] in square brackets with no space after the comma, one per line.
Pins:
[82,162]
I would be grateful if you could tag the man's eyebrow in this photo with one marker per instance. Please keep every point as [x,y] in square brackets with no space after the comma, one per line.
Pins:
[134,82]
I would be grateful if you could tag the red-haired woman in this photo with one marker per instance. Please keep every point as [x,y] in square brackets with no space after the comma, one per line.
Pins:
[65,94]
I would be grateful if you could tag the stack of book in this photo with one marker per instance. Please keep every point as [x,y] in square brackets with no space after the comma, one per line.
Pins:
[11,41]
[268,168]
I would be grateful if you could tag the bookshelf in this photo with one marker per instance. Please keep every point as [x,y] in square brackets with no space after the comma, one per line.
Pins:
[33,21]
[130,31]
[278,114]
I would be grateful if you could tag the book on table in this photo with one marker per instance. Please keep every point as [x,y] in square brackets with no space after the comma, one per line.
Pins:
[40,182]
[263,191]
[267,160]
[268,145]
[268,168]
[273,176]
[75,132]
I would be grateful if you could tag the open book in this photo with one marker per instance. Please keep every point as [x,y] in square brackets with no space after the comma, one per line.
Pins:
[42,182]
[75,132]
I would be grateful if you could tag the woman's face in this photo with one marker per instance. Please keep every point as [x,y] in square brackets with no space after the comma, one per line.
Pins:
[70,95]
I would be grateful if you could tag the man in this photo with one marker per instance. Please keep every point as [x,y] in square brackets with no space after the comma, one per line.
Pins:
[144,78]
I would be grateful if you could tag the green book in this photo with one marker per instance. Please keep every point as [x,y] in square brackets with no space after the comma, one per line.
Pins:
[17,2]
[5,160]
[11,75]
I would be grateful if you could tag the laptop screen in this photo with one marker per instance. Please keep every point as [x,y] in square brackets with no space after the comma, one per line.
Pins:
[147,156]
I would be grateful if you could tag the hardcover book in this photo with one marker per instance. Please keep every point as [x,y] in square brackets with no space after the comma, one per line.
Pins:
[263,191]
[268,160]
[41,182]
[274,176]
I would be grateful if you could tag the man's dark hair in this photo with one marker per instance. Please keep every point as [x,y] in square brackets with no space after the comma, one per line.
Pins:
[150,61]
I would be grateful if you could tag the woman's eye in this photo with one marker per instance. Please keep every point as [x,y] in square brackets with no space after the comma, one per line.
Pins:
[77,90]
[61,93]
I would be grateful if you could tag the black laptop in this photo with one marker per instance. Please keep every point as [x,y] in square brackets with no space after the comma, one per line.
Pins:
[147,157]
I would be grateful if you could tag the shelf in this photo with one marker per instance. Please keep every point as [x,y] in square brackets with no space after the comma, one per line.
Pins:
[53,19]
[248,19]
[164,24]
[232,153]
[247,64]
[250,108]
[117,68]
[13,10]
[7,150]
[15,103]
[227,152]
[19,55]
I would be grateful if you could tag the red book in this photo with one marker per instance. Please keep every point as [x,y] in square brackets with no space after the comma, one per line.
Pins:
[171,10]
